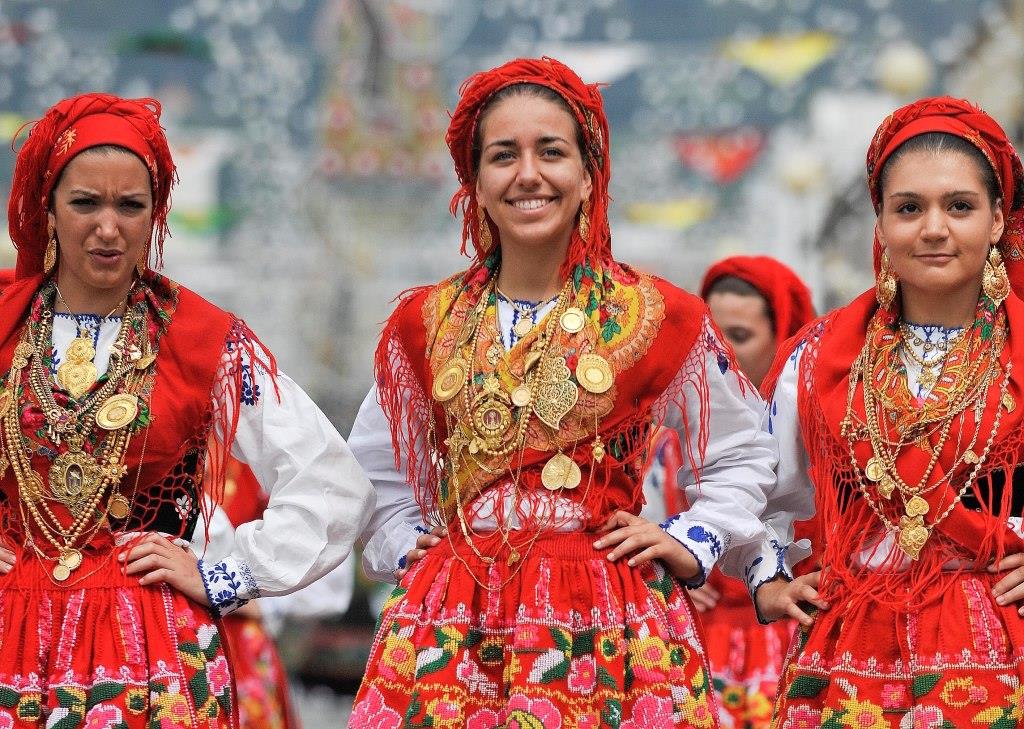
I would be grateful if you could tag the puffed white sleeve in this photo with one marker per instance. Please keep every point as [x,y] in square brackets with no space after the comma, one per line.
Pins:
[320,499]
[727,494]
[397,521]
[791,498]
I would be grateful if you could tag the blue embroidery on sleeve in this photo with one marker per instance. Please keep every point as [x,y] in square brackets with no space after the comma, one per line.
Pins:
[703,536]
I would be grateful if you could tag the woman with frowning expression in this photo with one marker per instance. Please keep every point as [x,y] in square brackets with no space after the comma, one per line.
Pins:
[506,436]
[899,418]
[121,389]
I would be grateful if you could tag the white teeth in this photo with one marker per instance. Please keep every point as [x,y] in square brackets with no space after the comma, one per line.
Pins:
[530,204]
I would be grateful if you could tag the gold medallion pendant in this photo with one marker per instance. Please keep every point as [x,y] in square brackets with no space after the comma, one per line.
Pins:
[521,396]
[913,536]
[491,417]
[70,558]
[118,411]
[74,478]
[874,470]
[118,507]
[61,572]
[450,380]
[573,320]
[594,373]
[561,472]
[78,373]
[523,327]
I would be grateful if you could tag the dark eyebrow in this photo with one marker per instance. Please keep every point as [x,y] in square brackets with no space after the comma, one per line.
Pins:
[93,193]
[501,143]
[549,140]
[954,193]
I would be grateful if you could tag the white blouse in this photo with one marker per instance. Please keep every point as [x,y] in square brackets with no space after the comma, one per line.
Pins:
[320,499]
[792,498]
[739,466]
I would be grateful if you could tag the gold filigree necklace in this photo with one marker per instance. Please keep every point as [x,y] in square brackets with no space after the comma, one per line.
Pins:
[78,373]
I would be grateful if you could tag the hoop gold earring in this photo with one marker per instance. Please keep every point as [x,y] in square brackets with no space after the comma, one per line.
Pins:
[885,283]
[484,231]
[584,225]
[994,281]
[50,255]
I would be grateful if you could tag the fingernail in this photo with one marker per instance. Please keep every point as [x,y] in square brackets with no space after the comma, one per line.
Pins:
[611,555]
[597,544]
[632,563]
[1000,600]
[434,542]
[121,557]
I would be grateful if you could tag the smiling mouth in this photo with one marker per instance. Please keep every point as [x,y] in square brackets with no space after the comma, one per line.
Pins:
[531,203]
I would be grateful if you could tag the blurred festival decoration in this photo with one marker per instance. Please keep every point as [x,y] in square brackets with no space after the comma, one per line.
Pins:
[782,59]
[723,156]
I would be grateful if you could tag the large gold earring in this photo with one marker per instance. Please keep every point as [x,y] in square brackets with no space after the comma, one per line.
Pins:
[885,284]
[584,225]
[486,242]
[994,281]
[140,265]
[50,255]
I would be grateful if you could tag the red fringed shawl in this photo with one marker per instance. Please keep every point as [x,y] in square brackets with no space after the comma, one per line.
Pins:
[197,391]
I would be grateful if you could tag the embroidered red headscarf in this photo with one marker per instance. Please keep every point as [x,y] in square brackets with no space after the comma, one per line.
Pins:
[788,296]
[588,110]
[68,128]
[964,536]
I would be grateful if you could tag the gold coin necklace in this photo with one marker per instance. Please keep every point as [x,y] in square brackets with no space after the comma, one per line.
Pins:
[77,374]
[526,312]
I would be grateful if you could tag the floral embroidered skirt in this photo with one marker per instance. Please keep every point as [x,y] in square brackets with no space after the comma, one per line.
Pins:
[568,641]
[957,662]
[106,653]
[260,679]
[746,657]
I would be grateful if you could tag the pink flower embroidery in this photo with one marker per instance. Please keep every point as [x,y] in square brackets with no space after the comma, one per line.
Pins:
[521,710]
[218,675]
[650,712]
[801,717]
[922,717]
[483,719]
[894,696]
[6,721]
[583,675]
[588,721]
[102,716]
[372,713]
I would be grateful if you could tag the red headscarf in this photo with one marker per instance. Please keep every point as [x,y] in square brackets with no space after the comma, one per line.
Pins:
[587,109]
[787,296]
[68,128]
[962,119]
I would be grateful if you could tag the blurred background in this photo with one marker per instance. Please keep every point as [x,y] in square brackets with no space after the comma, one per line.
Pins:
[315,181]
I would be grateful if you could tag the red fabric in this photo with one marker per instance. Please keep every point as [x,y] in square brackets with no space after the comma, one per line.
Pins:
[788,296]
[244,498]
[68,128]
[588,110]
[260,678]
[964,120]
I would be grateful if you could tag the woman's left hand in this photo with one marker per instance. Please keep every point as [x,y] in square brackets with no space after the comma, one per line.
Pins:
[158,559]
[1010,589]
[631,534]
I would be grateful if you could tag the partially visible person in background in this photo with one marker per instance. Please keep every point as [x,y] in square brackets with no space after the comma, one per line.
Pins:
[757,303]
[260,677]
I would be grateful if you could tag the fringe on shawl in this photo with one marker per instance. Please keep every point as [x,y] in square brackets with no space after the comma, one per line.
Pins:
[857,566]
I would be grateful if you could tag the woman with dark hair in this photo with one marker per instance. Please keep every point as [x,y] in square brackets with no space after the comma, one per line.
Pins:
[900,414]
[506,434]
[120,388]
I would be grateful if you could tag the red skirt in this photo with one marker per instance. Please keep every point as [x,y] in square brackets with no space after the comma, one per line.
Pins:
[570,641]
[746,657]
[957,662]
[260,680]
[106,653]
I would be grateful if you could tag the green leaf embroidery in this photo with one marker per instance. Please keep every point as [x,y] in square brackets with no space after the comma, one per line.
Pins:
[924,683]
[583,644]
[200,688]
[103,692]
[559,670]
[806,687]
[605,678]
[8,697]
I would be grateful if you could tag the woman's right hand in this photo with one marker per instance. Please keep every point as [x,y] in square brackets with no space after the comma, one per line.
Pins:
[7,559]
[423,543]
[779,598]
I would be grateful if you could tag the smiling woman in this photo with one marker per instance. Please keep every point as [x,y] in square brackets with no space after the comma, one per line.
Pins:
[506,436]
[122,391]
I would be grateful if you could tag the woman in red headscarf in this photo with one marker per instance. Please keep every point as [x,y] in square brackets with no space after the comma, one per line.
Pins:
[900,413]
[120,388]
[758,303]
[513,407]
